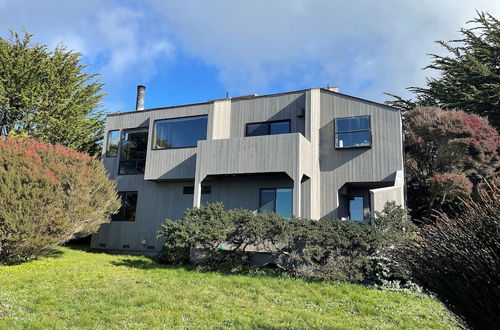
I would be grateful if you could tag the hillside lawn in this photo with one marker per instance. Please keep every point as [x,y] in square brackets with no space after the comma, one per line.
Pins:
[77,289]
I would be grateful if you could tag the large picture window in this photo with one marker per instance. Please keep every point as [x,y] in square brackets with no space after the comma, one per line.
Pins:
[129,205]
[112,143]
[268,128]
[133,151]
[353,132]
[179,132]
[276,200]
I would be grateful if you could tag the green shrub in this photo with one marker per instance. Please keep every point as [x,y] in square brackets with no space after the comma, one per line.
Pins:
[323,249]
[49,195]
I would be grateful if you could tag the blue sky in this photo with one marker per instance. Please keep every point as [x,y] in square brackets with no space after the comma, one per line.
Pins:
[193,51]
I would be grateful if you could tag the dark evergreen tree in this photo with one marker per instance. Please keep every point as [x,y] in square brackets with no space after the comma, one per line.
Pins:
[45,94]
[469,77]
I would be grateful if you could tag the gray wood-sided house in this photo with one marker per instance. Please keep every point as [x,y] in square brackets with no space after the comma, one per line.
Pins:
[312,153]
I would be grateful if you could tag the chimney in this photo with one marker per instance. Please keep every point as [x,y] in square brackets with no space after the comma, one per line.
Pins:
[332,88]
[139,104]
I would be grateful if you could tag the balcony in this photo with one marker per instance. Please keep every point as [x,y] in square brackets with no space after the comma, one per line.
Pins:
[288,153]
[170,164]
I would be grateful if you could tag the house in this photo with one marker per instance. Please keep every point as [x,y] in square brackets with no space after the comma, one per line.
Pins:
[312,153]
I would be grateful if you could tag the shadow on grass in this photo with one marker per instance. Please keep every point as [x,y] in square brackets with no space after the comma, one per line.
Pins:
[78,247]
[53,254]
[150,264]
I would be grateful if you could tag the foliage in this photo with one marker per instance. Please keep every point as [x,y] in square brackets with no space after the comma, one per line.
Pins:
[447,153]
[459,259]
[469,76]
[323,249]
[48,195]
[47,95]
[77,289]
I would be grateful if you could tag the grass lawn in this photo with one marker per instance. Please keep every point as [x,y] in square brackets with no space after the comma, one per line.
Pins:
[78,289]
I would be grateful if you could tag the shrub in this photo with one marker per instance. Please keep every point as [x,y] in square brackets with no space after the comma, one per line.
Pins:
[323,249]
[448,153]
[49,195]
[458,259]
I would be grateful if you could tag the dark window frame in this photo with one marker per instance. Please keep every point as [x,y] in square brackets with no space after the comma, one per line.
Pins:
[122,135]
[268,124]
[335,132]
[123,193]
[117,145]
[153,137]
[205,190]
[275,199]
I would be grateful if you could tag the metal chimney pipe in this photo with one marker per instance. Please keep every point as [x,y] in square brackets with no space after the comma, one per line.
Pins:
[139,104]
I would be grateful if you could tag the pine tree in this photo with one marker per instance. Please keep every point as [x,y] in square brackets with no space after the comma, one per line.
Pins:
[469,77]
[46,95]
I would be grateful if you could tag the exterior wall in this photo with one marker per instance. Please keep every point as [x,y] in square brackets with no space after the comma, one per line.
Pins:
[156,201]
[242,192]
[338,166]
[378,197]
[268,108]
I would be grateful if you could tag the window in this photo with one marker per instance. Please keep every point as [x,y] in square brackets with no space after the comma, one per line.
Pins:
[277,200]
[353,132]
[180,132]
[128,209]
[268,128]
[133,151]
[112,143]
[189,190]
[356,208]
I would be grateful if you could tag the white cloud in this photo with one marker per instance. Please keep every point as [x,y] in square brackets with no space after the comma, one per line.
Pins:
[116,40]
[365,46]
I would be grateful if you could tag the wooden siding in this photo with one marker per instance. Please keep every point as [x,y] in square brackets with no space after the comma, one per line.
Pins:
[377,163]
[256,154]
[273,107]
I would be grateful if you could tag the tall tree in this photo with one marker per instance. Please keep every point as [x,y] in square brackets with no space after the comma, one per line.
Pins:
[45,94]
[469,77]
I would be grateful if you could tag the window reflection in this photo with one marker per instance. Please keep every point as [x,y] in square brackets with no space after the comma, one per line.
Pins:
[353,132]
[356,209]
[180,132]
[276,200]
[133,151]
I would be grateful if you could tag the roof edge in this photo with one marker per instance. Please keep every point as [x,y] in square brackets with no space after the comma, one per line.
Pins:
[249,97]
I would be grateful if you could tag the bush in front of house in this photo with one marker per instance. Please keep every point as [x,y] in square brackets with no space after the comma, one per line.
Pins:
[49,195]
[323,249]
[458,258]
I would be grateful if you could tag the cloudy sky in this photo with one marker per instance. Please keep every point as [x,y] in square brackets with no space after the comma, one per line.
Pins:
[192,51]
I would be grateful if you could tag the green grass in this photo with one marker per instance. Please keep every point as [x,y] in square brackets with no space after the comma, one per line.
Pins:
[78,289]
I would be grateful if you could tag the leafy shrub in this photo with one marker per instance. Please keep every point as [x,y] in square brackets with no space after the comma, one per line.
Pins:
[459,259]
[49,195]
[323,249]
[448,153]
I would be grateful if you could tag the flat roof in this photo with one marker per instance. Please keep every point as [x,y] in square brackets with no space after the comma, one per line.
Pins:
[248,97]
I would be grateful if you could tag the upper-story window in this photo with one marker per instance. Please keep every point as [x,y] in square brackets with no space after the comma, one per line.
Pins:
[112,143]
[133,151]
[179,132]
[353,132]
[268,128]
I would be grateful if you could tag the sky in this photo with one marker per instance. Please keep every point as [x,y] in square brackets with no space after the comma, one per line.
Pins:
[193,51]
